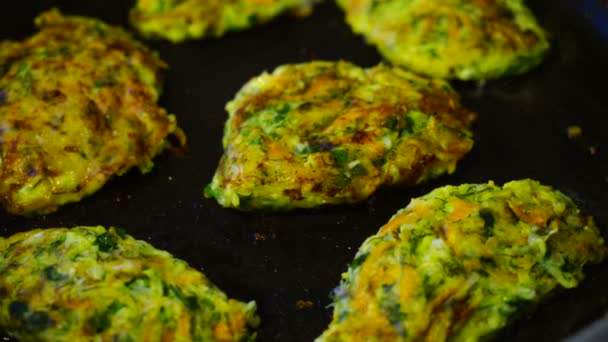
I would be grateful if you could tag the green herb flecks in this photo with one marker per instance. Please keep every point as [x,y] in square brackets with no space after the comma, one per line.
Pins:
[488,222]
[191,302]
[415,122]
[32,320]
[51,273]
[415,237]
[359,260]
[358,170]
[121,233]
[140,284]
[340,157]
[452,267]
[38,320]
[391,306]
[280,113]
[392,123]
[257,140]
[106,242]
[379,162]
[100,322]
[25,76]
[428,287]
[105,82]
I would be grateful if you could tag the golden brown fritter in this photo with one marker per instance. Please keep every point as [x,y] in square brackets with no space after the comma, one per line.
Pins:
[93,284]
[460,262]
[178,20]
[461,39]
[77,106]
[331,132]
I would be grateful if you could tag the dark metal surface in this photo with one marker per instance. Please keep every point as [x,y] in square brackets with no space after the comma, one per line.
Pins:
[280,259]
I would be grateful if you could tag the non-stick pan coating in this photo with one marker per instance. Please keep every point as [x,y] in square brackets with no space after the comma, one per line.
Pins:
[290,262]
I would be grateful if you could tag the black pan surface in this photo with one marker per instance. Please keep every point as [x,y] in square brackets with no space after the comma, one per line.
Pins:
[290,262]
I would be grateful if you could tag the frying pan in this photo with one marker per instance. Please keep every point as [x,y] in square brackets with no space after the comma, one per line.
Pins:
[290,262]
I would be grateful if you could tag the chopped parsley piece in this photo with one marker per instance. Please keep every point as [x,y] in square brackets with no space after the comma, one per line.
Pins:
[340,156]
[106,242]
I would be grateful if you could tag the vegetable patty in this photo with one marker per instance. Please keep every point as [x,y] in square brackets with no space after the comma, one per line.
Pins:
[178,20]
[459,262]
[331,132]
[77,106]
[93,284]
[462,39]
